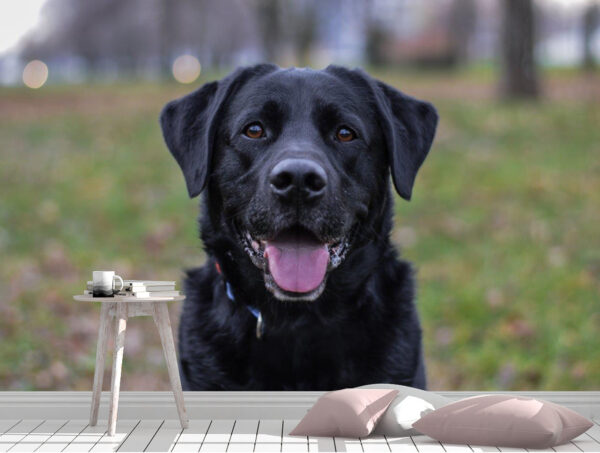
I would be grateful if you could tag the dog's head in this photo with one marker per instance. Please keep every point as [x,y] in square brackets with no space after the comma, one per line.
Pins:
[298,162]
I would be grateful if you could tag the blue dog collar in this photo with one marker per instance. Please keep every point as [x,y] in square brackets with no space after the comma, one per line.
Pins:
[229,291]
[260,326]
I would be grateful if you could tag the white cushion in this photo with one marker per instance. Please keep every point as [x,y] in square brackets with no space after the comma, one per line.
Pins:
[409,406]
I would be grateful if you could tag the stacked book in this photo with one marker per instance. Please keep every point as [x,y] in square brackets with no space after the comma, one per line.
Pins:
[142,288]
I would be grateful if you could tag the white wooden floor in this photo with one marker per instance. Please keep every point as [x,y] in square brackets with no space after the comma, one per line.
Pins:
[219,435]
[219,421]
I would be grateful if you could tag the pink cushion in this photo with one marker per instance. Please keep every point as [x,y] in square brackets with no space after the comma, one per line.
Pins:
[503,421]
[345,413]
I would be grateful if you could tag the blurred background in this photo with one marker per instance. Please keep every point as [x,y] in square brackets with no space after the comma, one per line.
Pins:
[504,223]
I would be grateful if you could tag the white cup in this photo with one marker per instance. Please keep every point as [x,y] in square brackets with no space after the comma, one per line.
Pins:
[104,283]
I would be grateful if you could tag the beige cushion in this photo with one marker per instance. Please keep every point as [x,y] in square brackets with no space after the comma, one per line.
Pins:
[503,421]
[345,413]
[409,406]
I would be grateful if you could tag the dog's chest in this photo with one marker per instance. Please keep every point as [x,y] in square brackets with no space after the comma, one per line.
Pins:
[319,359]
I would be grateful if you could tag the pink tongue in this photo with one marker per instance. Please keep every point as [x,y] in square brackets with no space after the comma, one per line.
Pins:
[297,265]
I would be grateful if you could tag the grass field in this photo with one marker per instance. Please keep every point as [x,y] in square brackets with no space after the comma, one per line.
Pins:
[504,229]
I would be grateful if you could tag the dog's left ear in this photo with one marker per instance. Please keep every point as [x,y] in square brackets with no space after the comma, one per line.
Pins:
[189,124]
[409,127]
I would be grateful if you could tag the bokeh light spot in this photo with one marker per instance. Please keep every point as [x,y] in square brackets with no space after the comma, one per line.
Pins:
[186,68]
[35,74]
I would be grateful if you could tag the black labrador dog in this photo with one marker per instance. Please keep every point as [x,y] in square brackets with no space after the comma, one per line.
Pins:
[302,289]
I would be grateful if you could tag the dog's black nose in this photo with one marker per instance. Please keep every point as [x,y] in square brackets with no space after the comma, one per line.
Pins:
[300,179]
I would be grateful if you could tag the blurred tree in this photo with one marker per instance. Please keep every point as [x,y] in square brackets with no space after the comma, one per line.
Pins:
[519,75]
[591,21]
[376,37]
[142,37]
[375,44]
[166,37]
[463,19]
[268,15]
[304,20]
[107,35]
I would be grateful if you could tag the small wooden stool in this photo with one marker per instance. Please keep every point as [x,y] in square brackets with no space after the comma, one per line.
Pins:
[120,308]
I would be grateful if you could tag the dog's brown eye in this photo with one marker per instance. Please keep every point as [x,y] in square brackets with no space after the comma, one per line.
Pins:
[345,134]
[254,130]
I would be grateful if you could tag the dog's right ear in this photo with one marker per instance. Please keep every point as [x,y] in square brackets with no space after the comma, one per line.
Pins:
[189,124]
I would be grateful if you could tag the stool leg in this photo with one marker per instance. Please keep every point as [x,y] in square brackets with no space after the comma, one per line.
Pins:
[120,328]
[103,334]
[161,318]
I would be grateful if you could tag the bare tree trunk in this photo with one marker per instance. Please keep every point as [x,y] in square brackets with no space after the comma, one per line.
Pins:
[268,15]
[591,18]
[305,32]
[463,20]
[166,33]
[519,74]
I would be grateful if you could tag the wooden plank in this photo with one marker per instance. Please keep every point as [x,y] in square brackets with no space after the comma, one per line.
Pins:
[457,448]
[7,424]
[292,443]
[594,431]
[241,447]
[186,448]
[51,447]
[565,447]
[86,439]
[347,444]
[320,444]
[192,437]
[289,425]
[376,448]
[210,448]
[268,436]
[38,436]
[586,443]
[427,444]
[569,446]
[294,448]
[165,437]
[218,435]
[511,449]
[269,431]
[17,432]
[483,448]
[375,444]
[244,432]
[195,433]
[401,444]
[243,436]
[219,432]
[63,436]
[264,447]
[141,436]
[108,443]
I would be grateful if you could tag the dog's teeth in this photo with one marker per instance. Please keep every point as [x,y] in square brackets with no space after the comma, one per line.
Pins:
[255,245]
